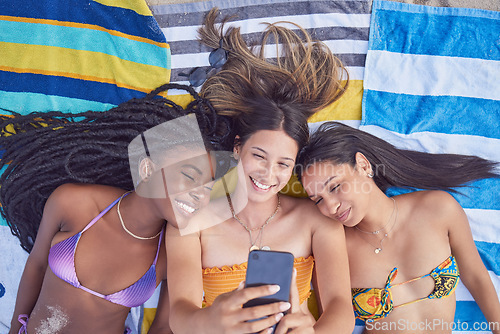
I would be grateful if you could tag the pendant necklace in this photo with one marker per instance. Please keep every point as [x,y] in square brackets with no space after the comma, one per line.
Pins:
[253,243]
[123,224]
[379,249]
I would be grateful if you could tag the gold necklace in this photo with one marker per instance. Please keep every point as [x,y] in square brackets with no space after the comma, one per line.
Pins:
[379,249]
[123,224]
[250,230]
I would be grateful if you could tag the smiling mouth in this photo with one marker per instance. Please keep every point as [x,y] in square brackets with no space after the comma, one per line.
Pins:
[259,185]
[186,208]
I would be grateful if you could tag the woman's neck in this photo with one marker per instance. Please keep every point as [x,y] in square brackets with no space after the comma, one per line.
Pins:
[380,215]
[255,214]
[140,216]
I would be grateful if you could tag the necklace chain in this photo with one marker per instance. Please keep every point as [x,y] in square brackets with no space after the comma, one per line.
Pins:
[383,227]
[379,249]
[250,230]
[123,224]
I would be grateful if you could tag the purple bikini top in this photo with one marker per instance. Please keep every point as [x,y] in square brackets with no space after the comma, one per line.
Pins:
[62,263]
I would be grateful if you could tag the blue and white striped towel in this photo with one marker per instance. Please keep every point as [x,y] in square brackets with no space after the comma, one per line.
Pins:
[432,84]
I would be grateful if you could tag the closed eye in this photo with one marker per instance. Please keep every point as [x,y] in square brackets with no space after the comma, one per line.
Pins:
[282,164]
[188,176]
[317,201]
[258,156]
[334,188]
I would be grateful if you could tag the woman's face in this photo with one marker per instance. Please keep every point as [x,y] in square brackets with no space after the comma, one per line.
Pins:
[185,178]
[341,192]
[267,158]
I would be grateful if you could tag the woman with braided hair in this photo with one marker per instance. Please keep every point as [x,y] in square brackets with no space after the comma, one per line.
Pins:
[269,102]
[66,170]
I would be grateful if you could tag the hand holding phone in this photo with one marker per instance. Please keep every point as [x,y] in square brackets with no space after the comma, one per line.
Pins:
[269,267]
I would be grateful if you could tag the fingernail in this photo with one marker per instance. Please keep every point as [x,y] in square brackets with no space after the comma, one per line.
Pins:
[285,306]
[274,288]
[269,331]
[279,316]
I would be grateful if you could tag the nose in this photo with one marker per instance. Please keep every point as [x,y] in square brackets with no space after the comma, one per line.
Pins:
[332,205]
[199,193]
[270,173]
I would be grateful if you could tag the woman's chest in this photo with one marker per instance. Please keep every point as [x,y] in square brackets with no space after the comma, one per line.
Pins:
[230,242]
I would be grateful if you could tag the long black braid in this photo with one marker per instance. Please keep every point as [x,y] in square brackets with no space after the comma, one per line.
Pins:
[44,150]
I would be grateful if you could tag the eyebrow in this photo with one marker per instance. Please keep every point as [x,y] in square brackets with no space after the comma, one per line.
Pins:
[196,169]
[284,158]
[324,184]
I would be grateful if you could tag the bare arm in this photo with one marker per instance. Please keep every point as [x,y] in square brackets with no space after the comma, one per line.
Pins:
[332,270]
[472,270]
[36,265]
[185,285]
[161,321]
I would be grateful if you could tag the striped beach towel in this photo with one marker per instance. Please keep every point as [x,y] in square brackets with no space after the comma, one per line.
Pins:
[432,84]
[77,56]
[71,56]
[342,25]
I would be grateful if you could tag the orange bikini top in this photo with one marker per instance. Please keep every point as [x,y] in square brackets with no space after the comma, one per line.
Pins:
[373,303]
[217,280]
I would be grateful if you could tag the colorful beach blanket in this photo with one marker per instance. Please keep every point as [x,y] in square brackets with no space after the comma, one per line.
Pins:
[432,84]
[72,56]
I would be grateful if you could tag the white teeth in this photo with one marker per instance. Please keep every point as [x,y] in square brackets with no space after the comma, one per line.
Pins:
[185,207]
[260,185]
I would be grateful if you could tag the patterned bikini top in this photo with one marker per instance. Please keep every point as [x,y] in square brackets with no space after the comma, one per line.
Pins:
[372,303]
[62,264]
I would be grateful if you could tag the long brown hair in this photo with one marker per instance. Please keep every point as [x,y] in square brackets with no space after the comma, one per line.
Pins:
[393,167]
[271,93]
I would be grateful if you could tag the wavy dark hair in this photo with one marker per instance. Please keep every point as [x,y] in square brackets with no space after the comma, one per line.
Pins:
[43,150]
[278,93]
[393,167]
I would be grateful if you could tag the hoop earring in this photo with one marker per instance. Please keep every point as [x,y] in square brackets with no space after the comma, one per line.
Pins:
[370,175]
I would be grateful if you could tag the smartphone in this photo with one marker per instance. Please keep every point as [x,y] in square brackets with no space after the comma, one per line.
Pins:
[269,267]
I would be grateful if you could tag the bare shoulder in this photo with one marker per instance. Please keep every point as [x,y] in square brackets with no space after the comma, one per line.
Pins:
[434,199]
[298,205]
[304,210]
[74,198]
[433,205]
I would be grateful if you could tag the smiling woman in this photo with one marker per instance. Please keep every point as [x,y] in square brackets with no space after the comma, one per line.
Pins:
[269,102]
[98,249]
[422,236]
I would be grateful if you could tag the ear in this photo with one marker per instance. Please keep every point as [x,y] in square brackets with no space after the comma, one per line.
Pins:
[236,147]
[363,165]
[146,169]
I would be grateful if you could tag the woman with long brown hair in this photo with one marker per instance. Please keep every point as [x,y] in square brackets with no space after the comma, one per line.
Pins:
[415,246]
[269,101]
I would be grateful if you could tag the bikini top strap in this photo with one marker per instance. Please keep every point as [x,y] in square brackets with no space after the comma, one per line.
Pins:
[410,280]
[159,245]
[103,212]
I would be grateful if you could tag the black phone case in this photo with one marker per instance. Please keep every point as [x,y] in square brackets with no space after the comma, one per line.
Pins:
[269,267]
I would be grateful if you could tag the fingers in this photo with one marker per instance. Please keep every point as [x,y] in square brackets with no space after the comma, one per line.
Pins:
[267,331]
[242,296]
[295,323]
[257,312]
[261,325]
[294,293]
